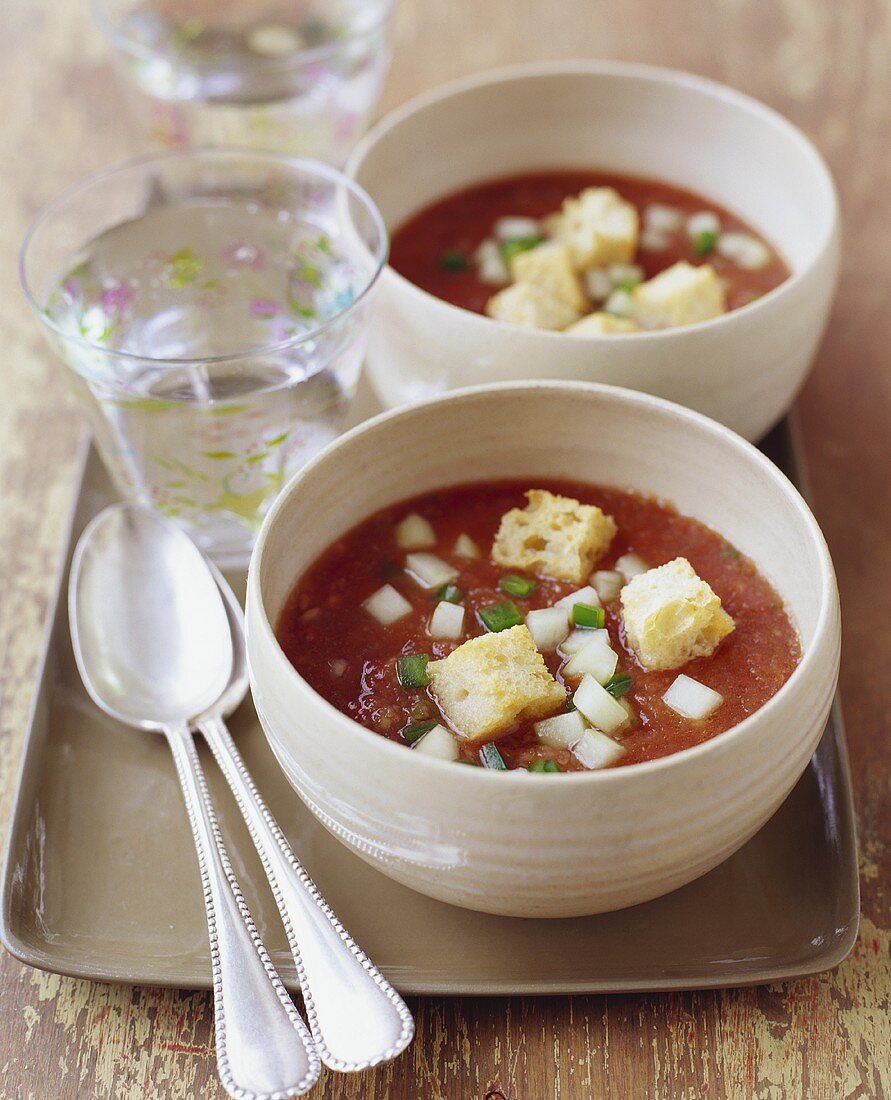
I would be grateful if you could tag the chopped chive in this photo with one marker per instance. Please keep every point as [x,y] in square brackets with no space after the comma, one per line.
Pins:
[416,731]
[588,617]
[450,593]
[620,684]
[515,245]
[544,766]
[453,261]
[628,285]
[501,616]
[490,757]
[515,585]
[704,242]
[411,671]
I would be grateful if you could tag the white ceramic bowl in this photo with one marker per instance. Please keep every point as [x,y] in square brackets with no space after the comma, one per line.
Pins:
[744,368]
[512,842]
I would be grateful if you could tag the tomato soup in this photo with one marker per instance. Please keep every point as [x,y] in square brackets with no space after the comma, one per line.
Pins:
[451,248]
[356,657]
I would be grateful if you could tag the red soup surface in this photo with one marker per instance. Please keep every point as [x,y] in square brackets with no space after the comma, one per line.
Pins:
[434,248]
[350,659]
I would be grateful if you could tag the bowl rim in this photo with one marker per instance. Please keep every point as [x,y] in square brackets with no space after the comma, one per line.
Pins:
[258,617]
[655,74]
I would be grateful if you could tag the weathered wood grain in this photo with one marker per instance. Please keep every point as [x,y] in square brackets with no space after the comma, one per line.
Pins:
[828,66]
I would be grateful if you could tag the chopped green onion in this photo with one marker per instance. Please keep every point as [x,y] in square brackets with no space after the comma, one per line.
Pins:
[544,766]
[704,242]
[411,671]
[730,551]
[515,245]
[454,261]
[588,617]
[490,757]
[619,685]
[515,585]
[501,616]
[451,593]
[628,285]
[416,730]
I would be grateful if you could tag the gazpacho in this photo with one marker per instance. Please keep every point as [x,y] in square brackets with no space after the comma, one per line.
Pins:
[551,628]
[585,253]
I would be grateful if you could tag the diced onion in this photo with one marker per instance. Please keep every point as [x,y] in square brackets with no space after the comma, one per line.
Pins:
[629,565]
[625,273]
[608,583]
[562,731]
[705,221]
[598,706]
[744,250]
[583,595]
[428,570]
[491,268]
[595,750]
[691,699]
[548,627]
[387,605]
[598,284]
[465,547]
[414,533]
[661,218]
[595,659]
[447,621]
[439,743]
[651,240]
[507,229]
[579,638]
[620,304]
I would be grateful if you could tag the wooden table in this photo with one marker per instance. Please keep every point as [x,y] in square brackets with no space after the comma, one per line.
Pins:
[825,64]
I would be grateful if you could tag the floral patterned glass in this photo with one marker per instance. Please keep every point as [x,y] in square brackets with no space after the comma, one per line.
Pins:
[211,308]
[292,76]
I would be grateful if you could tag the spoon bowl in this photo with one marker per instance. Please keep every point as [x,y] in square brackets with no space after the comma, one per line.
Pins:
[150,630]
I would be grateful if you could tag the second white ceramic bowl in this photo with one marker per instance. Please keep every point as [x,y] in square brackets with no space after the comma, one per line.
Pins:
[513,842]
[744,368]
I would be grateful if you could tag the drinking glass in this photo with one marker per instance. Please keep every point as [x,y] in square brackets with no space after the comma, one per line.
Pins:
[211,308]
[292,76]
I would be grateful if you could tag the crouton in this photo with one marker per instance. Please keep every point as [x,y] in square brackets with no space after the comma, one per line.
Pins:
[553,535]
[599,227]
[680,295]
[492,684]
[602,324]
[531,307]
[671,616]
[549,268]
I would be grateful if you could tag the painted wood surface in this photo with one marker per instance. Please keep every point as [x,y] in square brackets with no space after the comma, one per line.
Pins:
[827,65]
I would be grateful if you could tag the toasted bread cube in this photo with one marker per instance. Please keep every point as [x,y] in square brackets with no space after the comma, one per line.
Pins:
[553,535]
[530,307]
[491,684]
[680,295]
[603,324]
[599,227]
[671,616]
[549,268]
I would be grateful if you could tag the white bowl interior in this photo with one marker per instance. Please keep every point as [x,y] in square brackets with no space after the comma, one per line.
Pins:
[626,119]
[589,433]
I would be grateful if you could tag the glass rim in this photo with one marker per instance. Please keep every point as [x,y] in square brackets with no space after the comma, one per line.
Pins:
[303,164]
[116,38]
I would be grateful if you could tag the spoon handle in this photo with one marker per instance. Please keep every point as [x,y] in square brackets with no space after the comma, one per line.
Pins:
[357,1018]
[264,1051]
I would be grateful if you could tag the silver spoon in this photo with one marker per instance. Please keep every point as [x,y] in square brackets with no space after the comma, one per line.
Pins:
[357,1018]
[153,646]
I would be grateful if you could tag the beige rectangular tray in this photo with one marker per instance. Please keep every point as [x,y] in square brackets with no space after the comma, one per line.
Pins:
[100,877]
